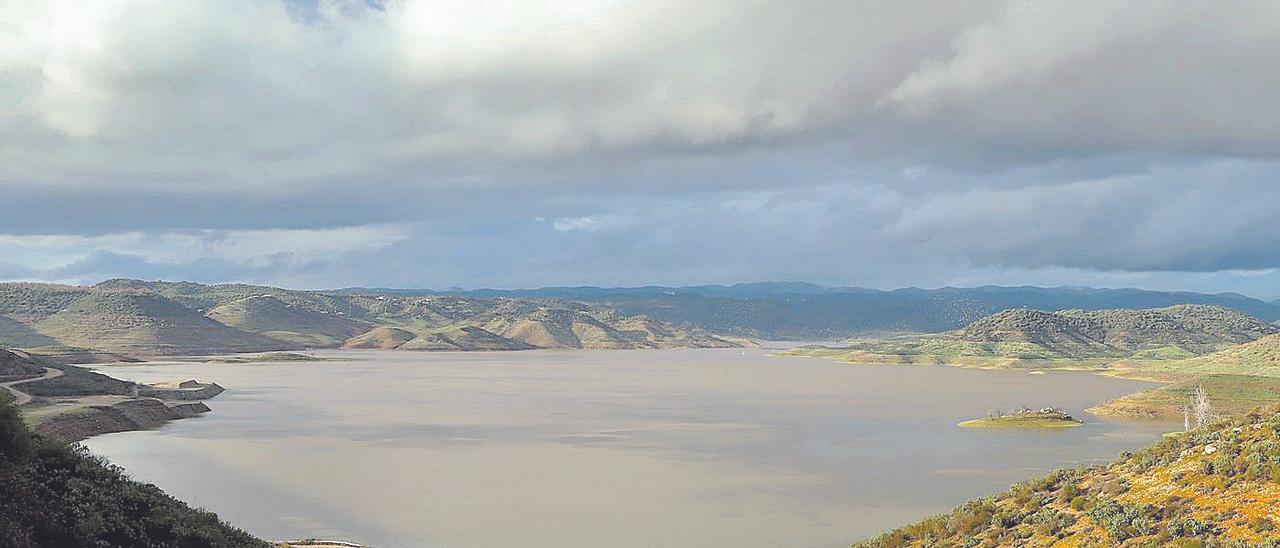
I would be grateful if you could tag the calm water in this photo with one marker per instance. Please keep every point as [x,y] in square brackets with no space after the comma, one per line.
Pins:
[604,448]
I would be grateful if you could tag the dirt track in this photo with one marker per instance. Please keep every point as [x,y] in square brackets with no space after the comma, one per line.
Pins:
[22,398]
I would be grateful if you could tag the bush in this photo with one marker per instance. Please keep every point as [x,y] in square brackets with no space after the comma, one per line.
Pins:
[1187,527]
[55,495]
[1079,503]
[1260,524]
[1123,521]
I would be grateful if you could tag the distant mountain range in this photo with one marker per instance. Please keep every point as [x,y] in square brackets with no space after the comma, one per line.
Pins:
[798,311]
[136,318]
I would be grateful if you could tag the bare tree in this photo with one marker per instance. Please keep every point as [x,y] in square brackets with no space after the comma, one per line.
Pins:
[1200,407]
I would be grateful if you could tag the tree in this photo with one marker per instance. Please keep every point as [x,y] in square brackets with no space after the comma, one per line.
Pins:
[1199,408]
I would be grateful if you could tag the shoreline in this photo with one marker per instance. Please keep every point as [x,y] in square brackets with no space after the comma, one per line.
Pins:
[127,415]
[125,407]
[1119,408]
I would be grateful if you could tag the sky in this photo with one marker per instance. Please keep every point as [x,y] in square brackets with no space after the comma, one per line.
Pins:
[330,143]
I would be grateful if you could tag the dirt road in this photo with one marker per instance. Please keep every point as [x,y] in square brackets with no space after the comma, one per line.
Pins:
[20,397]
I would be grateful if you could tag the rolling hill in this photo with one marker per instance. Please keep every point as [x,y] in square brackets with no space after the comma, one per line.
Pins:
[801,311]
[382,338]
[1193,329]
[290,323]
[131,317]
[147,318]
[1259,357]
[1012,336]
[139,322]
[435,322]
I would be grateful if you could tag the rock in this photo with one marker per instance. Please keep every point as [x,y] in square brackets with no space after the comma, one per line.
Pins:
[186,390]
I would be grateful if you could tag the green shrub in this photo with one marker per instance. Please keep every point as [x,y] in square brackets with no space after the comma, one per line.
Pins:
[1261,524]
[1079,503]
[55,495]
[1123,521]
[1187,527]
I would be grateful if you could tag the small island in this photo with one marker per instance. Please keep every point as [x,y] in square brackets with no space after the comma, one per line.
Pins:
[1045,417]
[270,357]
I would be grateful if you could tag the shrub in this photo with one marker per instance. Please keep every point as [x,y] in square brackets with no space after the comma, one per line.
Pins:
[57,495]
[1261,524]
[1123,521]
[1186,527]
[1078,503]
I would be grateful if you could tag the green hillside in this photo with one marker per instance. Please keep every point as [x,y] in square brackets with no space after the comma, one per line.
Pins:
[1259,357]
[1214,486]
[60,495]
[1230,394]
[1065,338]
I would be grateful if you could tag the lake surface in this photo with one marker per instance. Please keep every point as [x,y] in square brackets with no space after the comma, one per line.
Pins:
[604,448]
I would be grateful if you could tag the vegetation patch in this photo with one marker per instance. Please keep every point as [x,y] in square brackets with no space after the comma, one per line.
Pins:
[1218,485]
[271,357]
[77,381]
[60,495]
[1230,395]
[1025,418]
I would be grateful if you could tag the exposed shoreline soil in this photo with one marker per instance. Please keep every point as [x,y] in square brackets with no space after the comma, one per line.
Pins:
[124,416]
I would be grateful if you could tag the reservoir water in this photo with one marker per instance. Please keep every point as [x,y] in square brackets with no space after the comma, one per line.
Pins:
[570,449]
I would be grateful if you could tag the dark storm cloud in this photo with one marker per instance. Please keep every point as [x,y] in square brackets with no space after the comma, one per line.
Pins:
[598,142]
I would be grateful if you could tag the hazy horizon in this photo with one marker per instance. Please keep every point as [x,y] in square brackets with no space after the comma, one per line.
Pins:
[462,289]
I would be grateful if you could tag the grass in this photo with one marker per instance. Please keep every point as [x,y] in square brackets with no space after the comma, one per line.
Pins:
[932,350]
[1024,420]
[1229,394]
[1236,377]
[77,381]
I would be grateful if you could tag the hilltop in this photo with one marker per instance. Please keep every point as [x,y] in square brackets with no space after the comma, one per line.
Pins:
[134,318]
[1068,337]
[1215,486]
[140,322]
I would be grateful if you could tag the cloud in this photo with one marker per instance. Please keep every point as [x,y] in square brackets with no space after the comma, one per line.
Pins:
[210,253]
[410,142]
